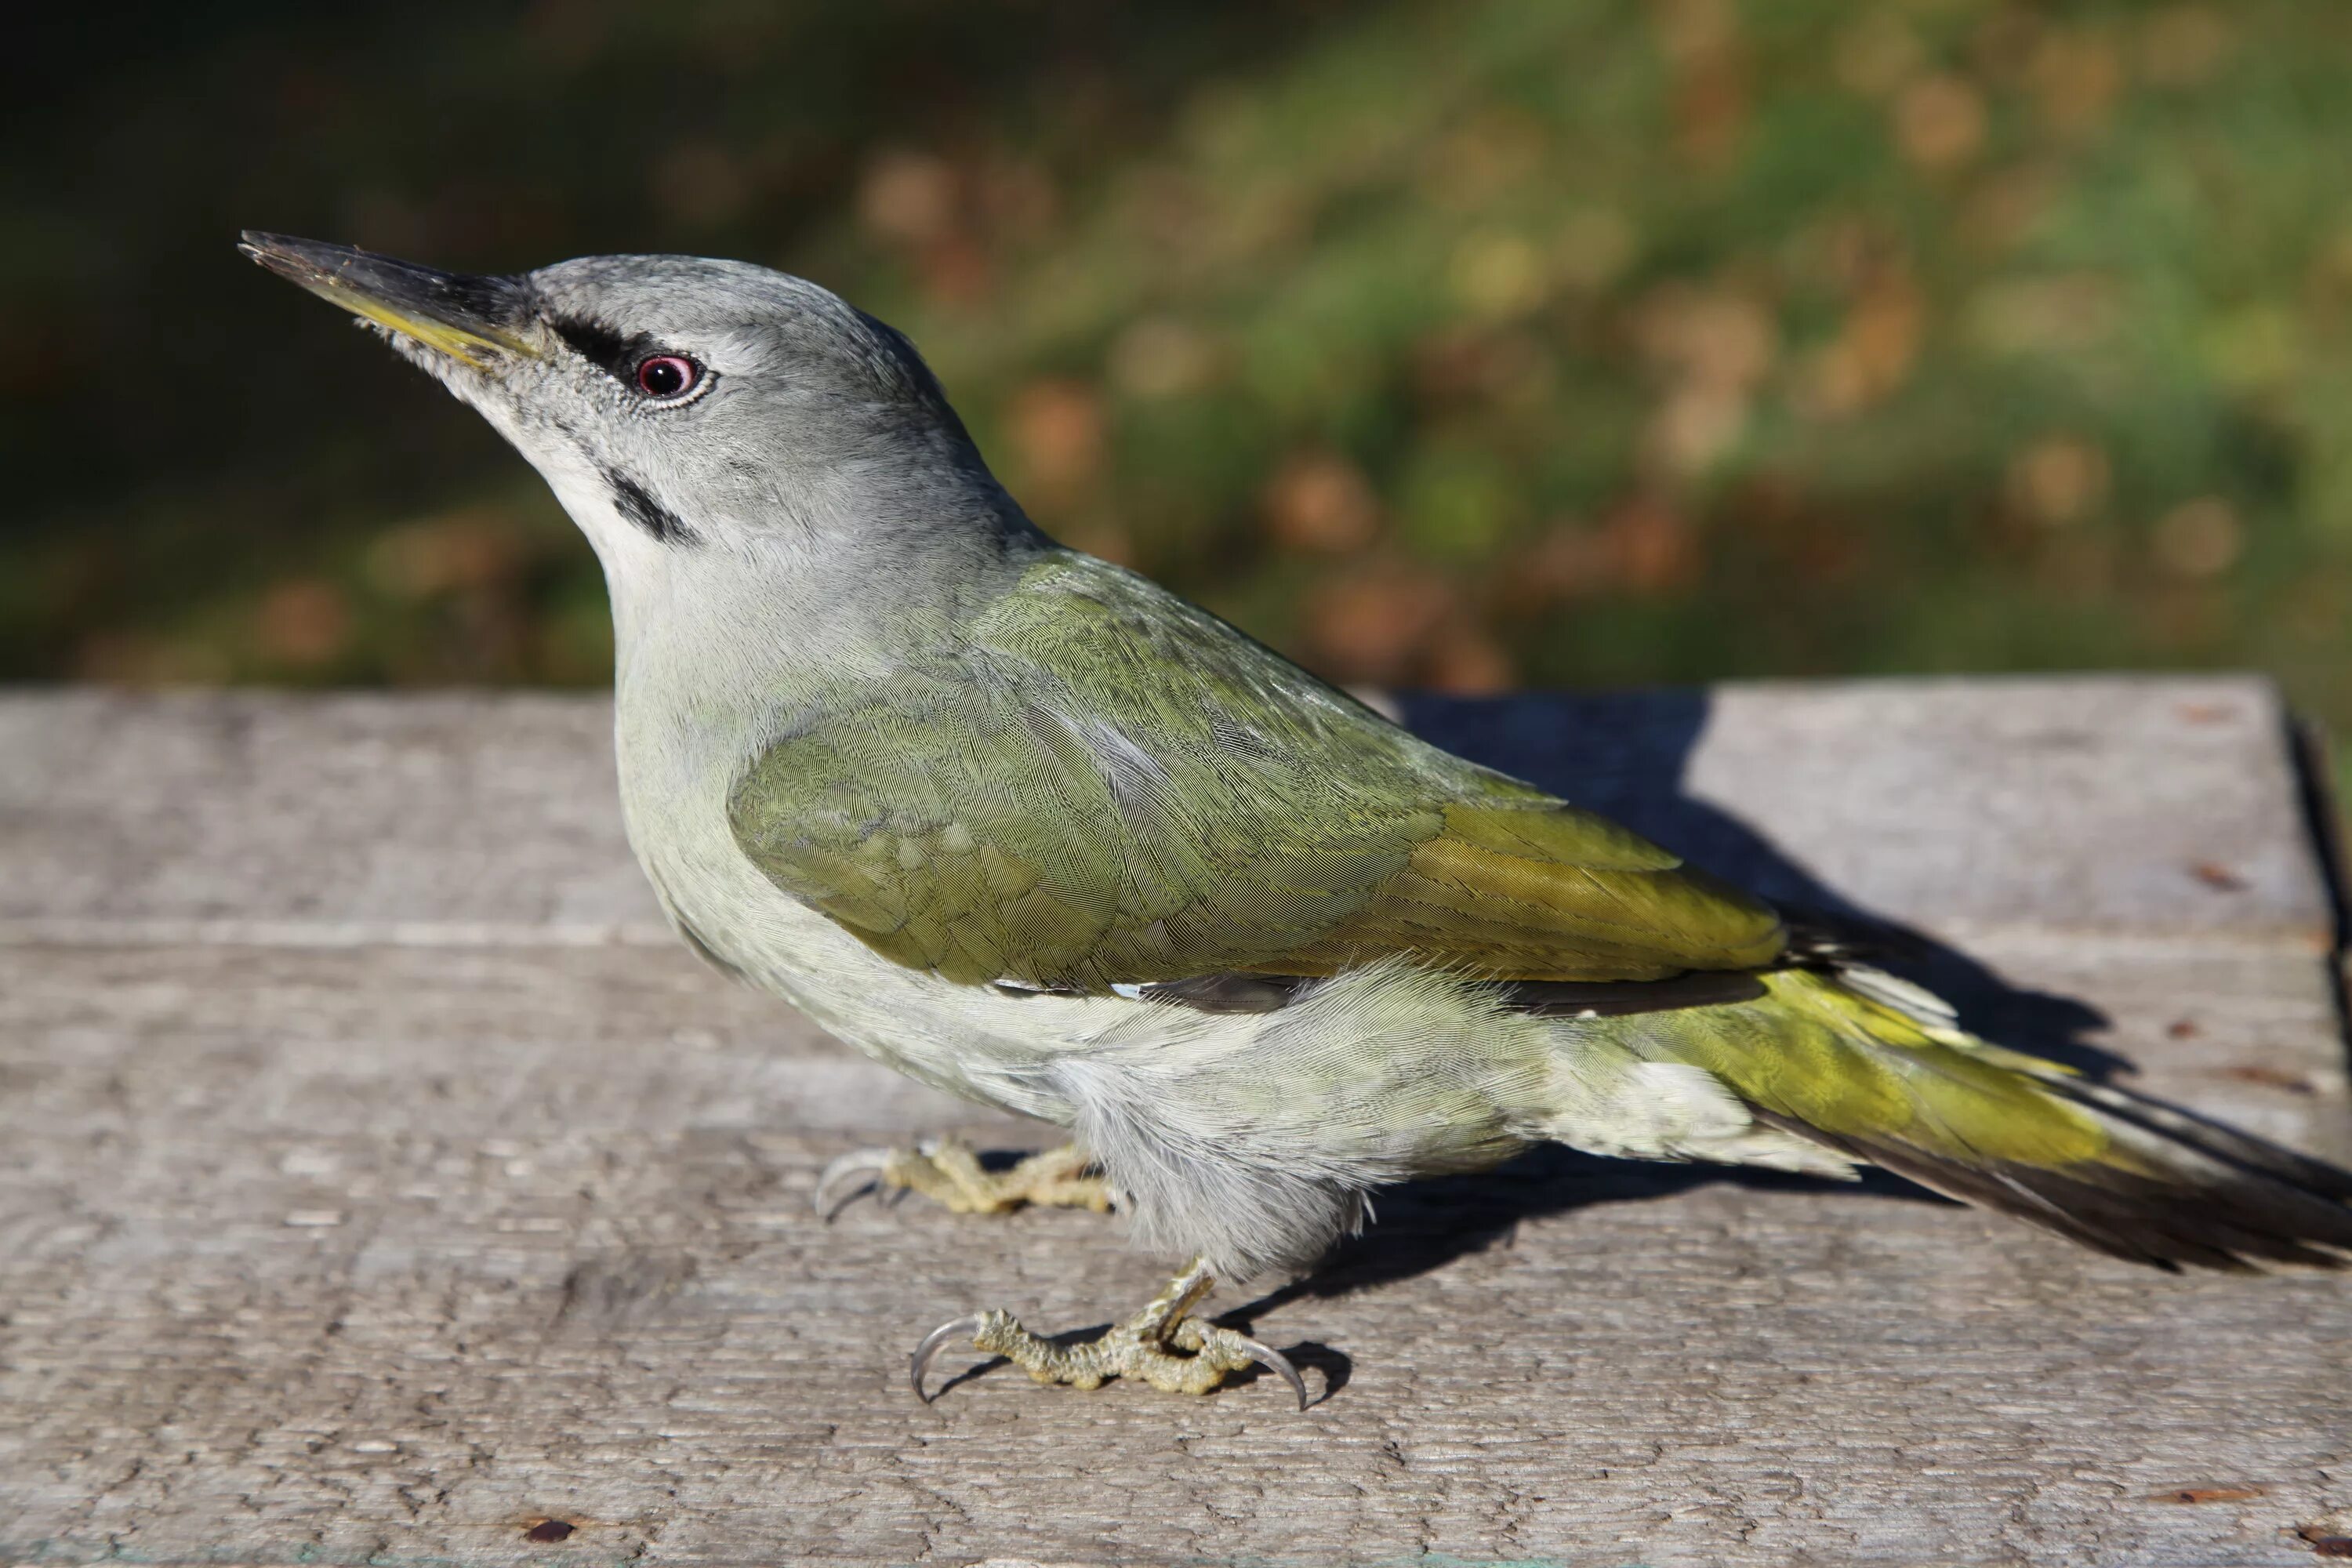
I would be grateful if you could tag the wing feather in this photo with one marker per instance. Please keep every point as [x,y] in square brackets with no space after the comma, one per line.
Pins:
[1113,787]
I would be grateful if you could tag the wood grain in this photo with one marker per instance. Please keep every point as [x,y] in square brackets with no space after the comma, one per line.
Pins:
[378,1181]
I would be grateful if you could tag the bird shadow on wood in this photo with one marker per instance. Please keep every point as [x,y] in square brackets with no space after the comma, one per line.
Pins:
[1626,755]
[1423,1226]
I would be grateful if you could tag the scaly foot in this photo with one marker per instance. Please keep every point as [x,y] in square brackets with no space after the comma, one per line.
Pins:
[1164,1346]
[949,1173]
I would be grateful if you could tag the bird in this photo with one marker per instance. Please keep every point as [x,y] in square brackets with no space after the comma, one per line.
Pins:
[1034,830]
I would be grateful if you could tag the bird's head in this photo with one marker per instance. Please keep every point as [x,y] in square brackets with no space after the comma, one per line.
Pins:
[680,405]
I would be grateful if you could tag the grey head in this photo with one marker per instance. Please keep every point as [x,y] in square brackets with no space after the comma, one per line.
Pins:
[687,408]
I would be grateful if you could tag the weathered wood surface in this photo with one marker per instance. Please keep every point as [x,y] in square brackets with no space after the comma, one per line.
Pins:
[377,1179]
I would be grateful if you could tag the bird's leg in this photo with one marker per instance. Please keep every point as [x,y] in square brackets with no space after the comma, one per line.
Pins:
[949,1173]
[1163,1344]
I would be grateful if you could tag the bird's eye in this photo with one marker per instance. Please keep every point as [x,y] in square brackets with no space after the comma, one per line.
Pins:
[668,375]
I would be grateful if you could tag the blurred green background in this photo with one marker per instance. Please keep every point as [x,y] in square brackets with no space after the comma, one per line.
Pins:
[1573,341]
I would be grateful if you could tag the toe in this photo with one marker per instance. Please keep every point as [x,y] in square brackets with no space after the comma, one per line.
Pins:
[1228,1350]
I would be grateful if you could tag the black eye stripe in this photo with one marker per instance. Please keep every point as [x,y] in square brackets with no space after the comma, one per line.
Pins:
[600,346]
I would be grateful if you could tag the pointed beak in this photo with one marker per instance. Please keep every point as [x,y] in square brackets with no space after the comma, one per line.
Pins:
[471,319]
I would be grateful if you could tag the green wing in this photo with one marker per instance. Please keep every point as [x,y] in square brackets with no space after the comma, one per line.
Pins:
[1110,786]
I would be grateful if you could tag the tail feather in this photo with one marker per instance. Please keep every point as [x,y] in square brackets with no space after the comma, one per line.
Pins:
[1855,1070]
[2206,1217]
[2218,1140]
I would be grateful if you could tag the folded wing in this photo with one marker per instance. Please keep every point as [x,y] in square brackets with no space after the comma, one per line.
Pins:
[1110,786]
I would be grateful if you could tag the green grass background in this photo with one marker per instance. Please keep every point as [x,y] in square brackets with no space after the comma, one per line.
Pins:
[1509,342]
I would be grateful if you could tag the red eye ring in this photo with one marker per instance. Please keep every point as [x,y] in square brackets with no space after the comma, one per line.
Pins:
[668,375]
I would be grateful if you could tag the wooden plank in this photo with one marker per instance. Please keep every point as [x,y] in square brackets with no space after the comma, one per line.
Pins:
[322,818]
[375,1182]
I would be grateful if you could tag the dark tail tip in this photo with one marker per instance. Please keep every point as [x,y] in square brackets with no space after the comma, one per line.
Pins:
[2181,1192]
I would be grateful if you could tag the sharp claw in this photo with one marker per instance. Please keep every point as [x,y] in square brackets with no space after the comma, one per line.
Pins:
[920,1361]
[1274,1362]
[866,1163]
